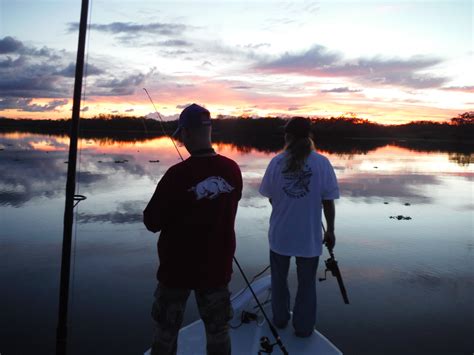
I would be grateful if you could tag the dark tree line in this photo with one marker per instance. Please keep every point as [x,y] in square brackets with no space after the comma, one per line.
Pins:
[266,134]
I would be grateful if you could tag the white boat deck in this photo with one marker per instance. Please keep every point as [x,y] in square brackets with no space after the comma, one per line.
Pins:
[246,338]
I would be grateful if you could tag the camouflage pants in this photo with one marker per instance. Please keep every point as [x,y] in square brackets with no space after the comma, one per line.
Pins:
[168,310]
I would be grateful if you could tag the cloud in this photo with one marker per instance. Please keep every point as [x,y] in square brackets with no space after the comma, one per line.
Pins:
[257,45]
[175,43]
[398,72]
[181,107]
[89,70]
[313,59]
[24,104]
[119,87]
[312,7]
[468,89]
[10,45]
[10,63]
[318,61]
[32,80]
[132,28]
[130,110]
[174,53]
[241,87]
[29,72]
[341,90]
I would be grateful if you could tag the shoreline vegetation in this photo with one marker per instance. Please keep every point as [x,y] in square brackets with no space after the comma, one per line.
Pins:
[336,134]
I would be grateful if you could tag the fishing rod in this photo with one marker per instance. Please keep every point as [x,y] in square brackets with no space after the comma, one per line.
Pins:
[161,123]
[265,344]
[333,267]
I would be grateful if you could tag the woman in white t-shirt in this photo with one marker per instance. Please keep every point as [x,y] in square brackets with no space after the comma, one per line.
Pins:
[300,183]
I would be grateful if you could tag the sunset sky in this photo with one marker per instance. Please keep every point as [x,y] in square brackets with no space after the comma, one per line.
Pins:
[389,62]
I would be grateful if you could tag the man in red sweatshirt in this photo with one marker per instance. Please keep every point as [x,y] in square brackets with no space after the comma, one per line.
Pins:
[194,207]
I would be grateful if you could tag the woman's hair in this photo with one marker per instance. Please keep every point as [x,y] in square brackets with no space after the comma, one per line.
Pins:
[298,149]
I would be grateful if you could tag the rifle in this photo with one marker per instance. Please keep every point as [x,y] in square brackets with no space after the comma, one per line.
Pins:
[331,265]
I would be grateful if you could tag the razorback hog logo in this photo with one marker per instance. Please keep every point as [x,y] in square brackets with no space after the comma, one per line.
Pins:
[211,188]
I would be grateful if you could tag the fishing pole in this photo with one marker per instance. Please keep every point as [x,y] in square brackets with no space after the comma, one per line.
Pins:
[264,340]
[161,123]
[333,267]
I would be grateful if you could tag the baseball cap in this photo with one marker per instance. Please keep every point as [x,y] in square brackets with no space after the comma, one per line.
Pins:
[193,116]
[299,127]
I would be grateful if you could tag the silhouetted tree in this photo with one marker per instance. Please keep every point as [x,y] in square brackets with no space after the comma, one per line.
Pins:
[466,118]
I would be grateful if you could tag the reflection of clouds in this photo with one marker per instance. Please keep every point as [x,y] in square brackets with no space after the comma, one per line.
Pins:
[368,273]
[379,185]
[363,185]
[250,189]
[27,173]
[24,143]
[12,198]
[431,280]
[252,203]
[252,174]
[251,198]
[463,159]
[35,174]
[127,212]
[129,167]
[87,178]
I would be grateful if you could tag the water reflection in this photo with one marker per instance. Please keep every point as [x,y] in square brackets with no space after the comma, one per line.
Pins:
[461,159]
[26,174]
[385,186]
[33,167]
[127,212]
[405,270]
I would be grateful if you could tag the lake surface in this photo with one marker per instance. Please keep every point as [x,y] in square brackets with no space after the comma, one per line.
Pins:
[410,282]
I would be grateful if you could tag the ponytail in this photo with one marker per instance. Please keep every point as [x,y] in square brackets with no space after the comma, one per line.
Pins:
[298,149]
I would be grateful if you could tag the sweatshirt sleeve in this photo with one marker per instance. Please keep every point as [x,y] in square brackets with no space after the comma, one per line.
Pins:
[157,210]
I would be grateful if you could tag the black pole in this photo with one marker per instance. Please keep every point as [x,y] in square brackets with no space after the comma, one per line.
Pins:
[61,334]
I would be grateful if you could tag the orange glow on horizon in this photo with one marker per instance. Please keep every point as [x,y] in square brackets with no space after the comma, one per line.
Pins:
[232,103]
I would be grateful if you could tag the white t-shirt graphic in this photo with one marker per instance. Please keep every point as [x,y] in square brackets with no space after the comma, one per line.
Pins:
[296,184]
[295,222]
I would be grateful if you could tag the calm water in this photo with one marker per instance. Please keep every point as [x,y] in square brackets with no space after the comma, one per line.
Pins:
[410,282]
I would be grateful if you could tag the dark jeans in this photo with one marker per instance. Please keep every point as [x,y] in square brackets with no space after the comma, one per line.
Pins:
[168,309]
[304,310]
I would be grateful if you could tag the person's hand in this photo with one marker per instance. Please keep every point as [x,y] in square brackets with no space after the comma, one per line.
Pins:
[329,240]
